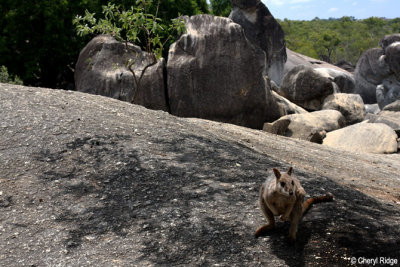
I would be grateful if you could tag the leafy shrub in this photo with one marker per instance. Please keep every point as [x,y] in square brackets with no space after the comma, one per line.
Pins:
[5,77]
[134,25]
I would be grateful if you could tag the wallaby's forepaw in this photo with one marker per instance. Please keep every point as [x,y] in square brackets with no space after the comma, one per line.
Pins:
[259,232]
[284,218]
[291,239]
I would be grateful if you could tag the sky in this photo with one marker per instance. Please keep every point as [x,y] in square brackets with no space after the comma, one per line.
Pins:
[324,9]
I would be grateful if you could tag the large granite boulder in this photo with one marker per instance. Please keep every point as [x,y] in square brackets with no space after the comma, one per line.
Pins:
[388,91]
[390,118]
[285,107]
[389,39]
[306,87]
[377,72]
[101,69]
[392,58]
[344,79]
[216,73]
[350,105]
[347,66]
[364,137]
[395,106]
[307,126]
[294,59]
[369,73]
[263,30]
[372,108]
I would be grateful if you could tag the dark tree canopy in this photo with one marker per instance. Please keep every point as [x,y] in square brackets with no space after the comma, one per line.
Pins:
[220,7]
[38,41]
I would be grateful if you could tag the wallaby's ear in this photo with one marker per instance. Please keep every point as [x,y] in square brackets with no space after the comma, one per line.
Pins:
[277,173]
[290,171]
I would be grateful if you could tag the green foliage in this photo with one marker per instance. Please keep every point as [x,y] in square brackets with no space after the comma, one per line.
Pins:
[325,44]
[220,7]
[38,41]
[135,26]
[336,39]
[5,77]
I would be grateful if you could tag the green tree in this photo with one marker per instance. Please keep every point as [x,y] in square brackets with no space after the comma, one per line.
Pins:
[337,39]
[38,41]
[6,78]
[220,7]
[326,44]
[168,9]
[135,26]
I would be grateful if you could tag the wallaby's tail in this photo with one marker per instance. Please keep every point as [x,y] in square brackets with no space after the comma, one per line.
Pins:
[325,198]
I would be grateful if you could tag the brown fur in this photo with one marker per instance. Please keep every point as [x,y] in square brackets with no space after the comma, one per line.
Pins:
[282,194]
[314,200]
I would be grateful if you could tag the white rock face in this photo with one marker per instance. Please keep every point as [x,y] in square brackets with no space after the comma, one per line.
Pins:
[364,137]
[307,126]
[350,105]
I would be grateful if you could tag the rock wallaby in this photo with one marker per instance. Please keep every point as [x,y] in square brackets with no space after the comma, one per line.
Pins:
[282,194]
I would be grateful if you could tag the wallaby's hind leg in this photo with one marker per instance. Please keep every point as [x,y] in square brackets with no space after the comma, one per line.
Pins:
[262,230]
[295,219]
[268,214]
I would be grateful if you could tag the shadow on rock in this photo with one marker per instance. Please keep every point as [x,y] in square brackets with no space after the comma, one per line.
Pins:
[193,200]
[354,225]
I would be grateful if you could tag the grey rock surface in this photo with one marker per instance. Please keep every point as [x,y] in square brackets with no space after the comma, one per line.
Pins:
[389,39]
[388,91]
[395,106]
[295,59]
[364,137]
[215,73]
[87,180]
[390,118]
[347,66]
[344,80]
[372,108]
[350,105]
[263,30]
[285,107]
[278,127]
[306,87]
[311,126]
[392,58]
[369,73]
[102,70]
[377,72]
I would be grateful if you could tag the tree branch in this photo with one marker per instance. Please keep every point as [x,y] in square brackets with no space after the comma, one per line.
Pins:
[138,81]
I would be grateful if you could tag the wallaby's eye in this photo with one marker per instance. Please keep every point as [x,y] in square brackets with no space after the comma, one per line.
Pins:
[283,184]
[292,183]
